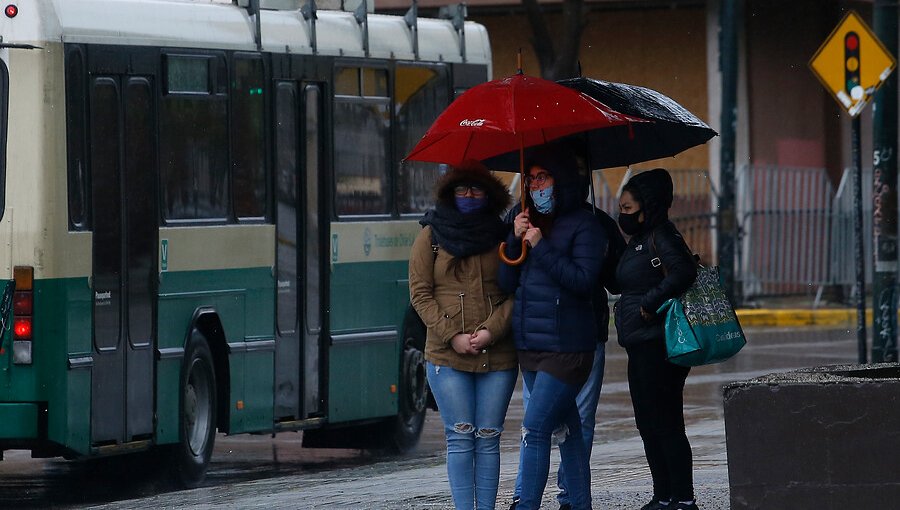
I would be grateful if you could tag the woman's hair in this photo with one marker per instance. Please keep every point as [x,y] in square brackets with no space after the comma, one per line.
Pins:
[654,190]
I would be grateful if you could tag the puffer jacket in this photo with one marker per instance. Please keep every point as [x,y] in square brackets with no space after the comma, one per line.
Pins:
[648,287]
[554,287]
[449,305]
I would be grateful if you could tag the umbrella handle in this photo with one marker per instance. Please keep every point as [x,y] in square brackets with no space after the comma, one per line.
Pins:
[508,261]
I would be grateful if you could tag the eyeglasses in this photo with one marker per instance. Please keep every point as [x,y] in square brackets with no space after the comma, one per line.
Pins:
[538,179]
[461,190]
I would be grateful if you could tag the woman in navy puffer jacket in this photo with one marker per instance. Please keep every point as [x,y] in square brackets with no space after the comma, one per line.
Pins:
[553,320]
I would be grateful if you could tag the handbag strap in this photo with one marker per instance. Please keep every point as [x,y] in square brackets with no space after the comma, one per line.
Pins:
[657,262]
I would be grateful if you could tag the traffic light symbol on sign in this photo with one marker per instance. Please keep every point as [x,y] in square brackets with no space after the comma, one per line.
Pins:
[851,66]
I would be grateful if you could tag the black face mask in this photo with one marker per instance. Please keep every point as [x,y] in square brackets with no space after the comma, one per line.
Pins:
[630,224]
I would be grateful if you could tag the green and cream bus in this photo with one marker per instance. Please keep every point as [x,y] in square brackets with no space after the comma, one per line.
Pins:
[204,221]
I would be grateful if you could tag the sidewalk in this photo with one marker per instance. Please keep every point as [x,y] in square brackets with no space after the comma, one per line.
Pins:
[620,480]
[798,311]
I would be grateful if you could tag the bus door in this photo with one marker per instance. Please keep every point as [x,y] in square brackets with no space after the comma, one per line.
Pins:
[298,216]
[124,280]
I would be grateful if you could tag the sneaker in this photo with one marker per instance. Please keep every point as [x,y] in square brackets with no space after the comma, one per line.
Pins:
[684,506]
[515,503]
[656,504]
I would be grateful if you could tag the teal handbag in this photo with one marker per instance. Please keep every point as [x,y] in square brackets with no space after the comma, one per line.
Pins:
[701,326]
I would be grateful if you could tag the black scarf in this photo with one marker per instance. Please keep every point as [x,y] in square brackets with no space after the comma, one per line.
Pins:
[463,235]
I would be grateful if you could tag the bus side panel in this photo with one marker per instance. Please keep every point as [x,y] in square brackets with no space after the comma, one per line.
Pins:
[369,293]
[259,391]
[364,370]
[243,299]
[76,433]
[259,362]
[363,380]
[62,325]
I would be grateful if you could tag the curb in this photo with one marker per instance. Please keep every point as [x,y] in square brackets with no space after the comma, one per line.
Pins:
[800,317]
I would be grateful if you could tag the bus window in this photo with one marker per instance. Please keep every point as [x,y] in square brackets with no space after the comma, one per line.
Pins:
[187,74]
[362,127]
[248,156]
[75,139]
[420,94]
[107,245]
[312,95]
[346,81]
[286,161]
[4,111]
[193,162]
[375,82]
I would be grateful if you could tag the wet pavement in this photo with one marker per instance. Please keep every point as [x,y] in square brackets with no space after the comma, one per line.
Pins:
[265,472]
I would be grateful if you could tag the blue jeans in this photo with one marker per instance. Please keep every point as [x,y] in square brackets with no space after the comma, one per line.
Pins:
[552,404]
[586,400]
[472,407]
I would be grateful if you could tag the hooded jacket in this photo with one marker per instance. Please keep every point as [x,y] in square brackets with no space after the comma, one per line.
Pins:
[554,286]
[642,284]
[460,294]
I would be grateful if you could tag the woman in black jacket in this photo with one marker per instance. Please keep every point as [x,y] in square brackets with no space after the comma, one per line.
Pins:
[656,265]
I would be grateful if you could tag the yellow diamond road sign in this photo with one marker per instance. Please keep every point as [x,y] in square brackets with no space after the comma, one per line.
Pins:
[852,63]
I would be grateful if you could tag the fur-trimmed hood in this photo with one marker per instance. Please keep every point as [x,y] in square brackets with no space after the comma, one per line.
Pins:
[473,173]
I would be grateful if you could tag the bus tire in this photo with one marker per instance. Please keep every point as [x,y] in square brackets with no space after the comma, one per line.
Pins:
[197,413]
[407,425]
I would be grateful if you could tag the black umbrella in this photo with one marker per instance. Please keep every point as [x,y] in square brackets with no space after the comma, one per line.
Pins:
[670,128]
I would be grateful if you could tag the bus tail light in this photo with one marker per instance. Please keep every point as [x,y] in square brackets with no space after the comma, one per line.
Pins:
[23,309]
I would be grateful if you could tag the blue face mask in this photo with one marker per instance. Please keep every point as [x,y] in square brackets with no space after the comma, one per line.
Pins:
[468,205]
[543,200]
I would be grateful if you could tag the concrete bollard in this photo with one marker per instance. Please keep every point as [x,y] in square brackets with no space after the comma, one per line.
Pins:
[824,437]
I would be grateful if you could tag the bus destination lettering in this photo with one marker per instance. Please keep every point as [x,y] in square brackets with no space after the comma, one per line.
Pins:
[103,298]
[397,241]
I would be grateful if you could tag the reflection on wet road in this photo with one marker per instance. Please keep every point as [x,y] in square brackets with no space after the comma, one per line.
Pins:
[37,483]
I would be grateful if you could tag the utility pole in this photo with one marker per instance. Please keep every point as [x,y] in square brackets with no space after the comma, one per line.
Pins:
[729,16]
[884,221]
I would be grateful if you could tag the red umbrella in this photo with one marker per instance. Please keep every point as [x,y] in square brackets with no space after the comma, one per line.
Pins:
[510,114]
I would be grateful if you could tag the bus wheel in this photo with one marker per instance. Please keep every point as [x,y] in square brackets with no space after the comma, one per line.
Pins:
[413,395]
[197,415]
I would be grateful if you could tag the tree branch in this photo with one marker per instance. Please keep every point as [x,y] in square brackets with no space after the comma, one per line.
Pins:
[541,40]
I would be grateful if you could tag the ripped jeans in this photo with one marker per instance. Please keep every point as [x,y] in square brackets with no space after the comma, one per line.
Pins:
[551,404]
[472,407]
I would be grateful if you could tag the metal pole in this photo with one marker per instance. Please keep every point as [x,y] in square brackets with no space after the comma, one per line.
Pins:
[727,217]
[858,228]
[884,218]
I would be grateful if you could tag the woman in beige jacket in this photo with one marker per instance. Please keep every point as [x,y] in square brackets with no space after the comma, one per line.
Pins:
[470,356]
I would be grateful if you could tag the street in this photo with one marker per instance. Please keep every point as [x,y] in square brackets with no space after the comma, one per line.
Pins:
[262,472]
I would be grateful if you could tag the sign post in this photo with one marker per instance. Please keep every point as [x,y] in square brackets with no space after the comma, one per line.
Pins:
[852,64]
